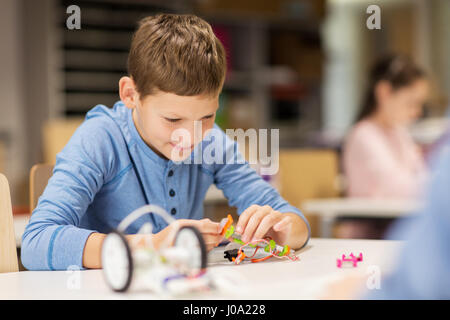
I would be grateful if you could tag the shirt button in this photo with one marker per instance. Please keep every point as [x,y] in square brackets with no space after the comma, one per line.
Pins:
[172,192]
[173,211]
[170,173]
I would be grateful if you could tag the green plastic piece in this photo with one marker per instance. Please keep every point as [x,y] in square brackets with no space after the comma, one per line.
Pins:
[242,242]
[284,252]
[229,232]
[272,245]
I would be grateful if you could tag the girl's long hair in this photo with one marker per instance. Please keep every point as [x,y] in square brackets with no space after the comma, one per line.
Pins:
[398,70]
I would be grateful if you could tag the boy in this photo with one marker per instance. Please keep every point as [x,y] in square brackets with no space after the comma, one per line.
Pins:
[126,157]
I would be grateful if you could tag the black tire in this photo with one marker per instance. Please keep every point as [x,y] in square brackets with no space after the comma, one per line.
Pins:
[129,258]
[201,243]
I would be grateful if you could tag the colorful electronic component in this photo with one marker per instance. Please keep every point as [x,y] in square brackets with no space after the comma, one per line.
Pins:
[268,245]
[231,254]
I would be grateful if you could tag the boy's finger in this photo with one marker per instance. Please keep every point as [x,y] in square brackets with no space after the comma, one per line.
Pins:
[245,217]
[211,241]
[204,225]
[211,238]
[254,222]
[267,222]
[207,226]
[285,223]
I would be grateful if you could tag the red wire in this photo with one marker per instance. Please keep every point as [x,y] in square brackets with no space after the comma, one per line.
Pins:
[256,249]
[272,254]
[261,259]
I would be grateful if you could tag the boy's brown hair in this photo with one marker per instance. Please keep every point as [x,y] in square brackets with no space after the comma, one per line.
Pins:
[176,54]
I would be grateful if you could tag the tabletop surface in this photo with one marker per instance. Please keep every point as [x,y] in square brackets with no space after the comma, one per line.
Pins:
[272,279]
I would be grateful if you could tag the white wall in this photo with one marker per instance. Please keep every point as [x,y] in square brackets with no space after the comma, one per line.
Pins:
[29,85]
[342,85]
[12,115]
[43,79]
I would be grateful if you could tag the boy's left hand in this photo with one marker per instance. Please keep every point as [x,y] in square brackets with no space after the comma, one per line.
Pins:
[257,222]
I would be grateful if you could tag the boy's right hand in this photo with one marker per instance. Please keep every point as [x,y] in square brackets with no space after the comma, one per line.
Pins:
[210,231]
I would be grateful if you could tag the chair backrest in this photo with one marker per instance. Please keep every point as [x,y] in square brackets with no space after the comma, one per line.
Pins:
[308,174]
[2,157]
[8,249]
[55,135]
[39,175]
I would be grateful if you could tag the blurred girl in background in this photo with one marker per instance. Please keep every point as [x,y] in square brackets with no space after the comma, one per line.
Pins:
[380,158]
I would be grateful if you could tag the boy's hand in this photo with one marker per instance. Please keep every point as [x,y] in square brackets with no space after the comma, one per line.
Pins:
[257,222]
[209,230]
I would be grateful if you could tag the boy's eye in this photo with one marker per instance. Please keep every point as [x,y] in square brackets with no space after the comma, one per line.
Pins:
[172,120]
[208,117]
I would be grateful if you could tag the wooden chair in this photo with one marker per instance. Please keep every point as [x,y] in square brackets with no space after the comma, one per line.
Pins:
[2,157]
[39,176]
[308,174]
[8,251]
[55,135]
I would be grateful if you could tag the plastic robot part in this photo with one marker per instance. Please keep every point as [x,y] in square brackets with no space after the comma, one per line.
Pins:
[125,223]
[172,269]
[350,260]
[268,245]
[231,254]
[226,223]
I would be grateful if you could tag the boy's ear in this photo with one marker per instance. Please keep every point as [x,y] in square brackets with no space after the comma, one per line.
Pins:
[127,92]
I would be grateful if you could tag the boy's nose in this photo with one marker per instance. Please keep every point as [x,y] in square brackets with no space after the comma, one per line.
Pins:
[196,132]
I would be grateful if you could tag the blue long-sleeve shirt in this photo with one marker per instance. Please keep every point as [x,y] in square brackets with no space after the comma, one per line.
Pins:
[423,267]
[106,171]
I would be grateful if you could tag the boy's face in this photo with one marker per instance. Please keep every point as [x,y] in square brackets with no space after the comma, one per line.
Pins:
[173,125]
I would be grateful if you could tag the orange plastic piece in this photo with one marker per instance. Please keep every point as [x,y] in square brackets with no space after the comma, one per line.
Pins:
[241,256]
[288,250]
[227,225]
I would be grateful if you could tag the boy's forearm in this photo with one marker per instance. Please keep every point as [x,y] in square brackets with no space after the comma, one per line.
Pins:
[92,254]
[93,251]
[299,232]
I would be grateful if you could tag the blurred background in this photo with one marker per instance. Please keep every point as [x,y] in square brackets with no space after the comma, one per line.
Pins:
[297,65]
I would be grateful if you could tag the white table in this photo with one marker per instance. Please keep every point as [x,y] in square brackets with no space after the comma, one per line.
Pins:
[271,279]
[329,209]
